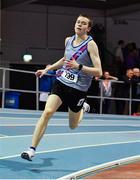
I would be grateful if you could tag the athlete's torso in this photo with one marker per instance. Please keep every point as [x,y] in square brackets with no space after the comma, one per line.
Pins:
[73,77]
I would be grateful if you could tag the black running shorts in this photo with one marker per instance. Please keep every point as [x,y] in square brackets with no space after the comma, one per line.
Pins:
[72,97]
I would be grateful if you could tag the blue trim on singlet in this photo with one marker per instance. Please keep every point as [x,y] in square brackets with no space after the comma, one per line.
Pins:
[79,44]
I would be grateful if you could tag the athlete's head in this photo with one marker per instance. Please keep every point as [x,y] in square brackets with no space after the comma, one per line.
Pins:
[83,24]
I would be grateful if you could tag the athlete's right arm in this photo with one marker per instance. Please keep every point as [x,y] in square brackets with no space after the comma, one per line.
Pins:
[57,65]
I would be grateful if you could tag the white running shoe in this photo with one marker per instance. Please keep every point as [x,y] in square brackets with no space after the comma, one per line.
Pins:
[28,154]
[86,107]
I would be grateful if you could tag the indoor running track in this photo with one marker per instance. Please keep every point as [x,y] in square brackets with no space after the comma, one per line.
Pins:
[98,140]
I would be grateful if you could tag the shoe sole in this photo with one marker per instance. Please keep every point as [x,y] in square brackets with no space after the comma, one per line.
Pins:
[25,155]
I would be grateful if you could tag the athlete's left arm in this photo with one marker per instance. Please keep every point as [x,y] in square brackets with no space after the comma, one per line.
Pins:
[96,70]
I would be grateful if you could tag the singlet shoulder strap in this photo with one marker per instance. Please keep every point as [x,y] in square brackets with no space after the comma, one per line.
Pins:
[70,40]
[82,48]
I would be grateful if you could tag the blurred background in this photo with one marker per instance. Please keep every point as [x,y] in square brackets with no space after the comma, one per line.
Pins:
[38,28]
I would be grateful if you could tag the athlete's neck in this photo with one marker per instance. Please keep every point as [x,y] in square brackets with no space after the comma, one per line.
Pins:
[80,39]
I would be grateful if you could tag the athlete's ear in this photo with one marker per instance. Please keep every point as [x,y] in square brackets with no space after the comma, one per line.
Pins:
[89,29]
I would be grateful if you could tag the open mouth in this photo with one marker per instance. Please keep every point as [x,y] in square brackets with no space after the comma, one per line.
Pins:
[79,29]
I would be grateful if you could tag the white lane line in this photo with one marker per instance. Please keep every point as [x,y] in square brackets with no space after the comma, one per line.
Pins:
[3,135]
[75,147]
[31,124]
[55,123]
[77,133]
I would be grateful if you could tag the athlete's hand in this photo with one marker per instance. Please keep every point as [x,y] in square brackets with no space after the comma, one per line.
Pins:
[41,72]
[72,64]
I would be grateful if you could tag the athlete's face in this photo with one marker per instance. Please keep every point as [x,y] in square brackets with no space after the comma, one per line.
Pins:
[82,25]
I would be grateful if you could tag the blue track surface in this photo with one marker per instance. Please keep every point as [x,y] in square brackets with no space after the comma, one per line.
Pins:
[62,151]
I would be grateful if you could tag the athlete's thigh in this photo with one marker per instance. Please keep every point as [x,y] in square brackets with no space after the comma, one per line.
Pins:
[53,102]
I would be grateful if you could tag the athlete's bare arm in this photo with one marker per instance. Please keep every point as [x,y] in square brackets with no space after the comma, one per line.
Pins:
[94,55]
[56,65]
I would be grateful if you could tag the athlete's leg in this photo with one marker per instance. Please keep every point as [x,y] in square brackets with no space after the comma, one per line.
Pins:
[52,104]
[75,118]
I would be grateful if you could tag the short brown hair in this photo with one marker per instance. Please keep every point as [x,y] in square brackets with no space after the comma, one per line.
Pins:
[89,18]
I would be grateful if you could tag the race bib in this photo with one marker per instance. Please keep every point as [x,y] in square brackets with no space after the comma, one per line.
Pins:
[69,77]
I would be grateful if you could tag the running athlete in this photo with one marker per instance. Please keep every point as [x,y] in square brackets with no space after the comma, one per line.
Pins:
[74,74]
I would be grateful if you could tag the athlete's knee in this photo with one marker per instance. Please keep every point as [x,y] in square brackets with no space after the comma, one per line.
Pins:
[48,112]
